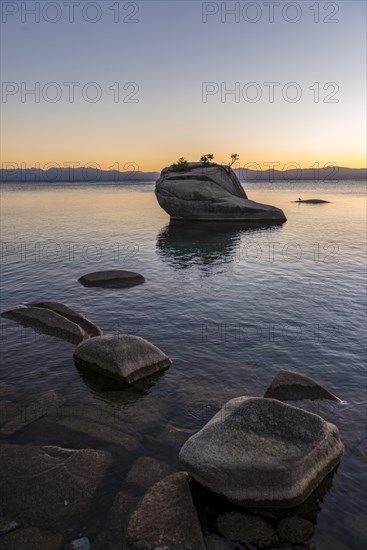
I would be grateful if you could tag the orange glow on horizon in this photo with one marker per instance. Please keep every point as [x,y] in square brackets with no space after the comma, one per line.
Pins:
[146,165]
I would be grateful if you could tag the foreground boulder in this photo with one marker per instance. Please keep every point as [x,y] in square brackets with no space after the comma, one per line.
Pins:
[166,518]
[263,453]
[113,278]
[292,386]
[90,328]
[48,322]
[125,358]
[210,193]
[49,487]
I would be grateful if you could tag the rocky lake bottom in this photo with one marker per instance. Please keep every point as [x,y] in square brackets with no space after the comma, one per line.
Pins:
[230,306]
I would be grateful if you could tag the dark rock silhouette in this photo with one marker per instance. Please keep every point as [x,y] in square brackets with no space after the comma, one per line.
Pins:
[210,193]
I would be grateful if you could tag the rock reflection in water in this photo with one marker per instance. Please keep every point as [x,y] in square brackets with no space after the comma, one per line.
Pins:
[114,390]
[184,244]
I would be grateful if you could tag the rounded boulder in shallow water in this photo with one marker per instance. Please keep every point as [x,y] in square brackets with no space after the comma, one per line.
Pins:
[125,357]
[263,453]
[114,278]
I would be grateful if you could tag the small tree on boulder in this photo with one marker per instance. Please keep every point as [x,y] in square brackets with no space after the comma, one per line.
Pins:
[234,158]
[206,159]
[181,165]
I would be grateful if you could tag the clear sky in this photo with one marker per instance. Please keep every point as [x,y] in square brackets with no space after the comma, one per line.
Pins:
[169,55]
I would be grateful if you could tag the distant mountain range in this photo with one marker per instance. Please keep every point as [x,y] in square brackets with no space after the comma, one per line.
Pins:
[330,173]
[77,175]
[92,175]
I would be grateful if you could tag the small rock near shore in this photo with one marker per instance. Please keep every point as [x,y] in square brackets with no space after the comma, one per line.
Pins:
[292,386]
[72,315]
[113,278]
[48,322]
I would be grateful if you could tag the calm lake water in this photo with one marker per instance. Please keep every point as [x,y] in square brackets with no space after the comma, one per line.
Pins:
[231,306]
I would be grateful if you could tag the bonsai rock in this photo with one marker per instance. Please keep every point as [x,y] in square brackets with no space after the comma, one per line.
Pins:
[210,192]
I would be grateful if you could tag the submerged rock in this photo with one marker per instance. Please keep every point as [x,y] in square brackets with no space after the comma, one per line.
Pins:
[246,528]
[31,538]
[102,432]
[147,471]
[292,386]
[113,534]
[46,405]
[50,487]
[263,453]
[174,435]
[74,316]
[79,544]
[210,193]
[7,389]
[215,542]
[295,530]
[166,518]
[48,322]
[125,357]
[113,278]
[7,525]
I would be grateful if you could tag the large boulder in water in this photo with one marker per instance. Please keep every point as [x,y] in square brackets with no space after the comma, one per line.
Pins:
[125,358]
[210,193]
[263,453]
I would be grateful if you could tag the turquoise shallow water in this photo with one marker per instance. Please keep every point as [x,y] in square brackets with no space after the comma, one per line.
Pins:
[231,306]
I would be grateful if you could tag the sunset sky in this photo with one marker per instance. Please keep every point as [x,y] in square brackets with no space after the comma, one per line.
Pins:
[169,53]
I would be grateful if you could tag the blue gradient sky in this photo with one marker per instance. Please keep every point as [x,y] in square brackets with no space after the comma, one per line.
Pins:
[169,53]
